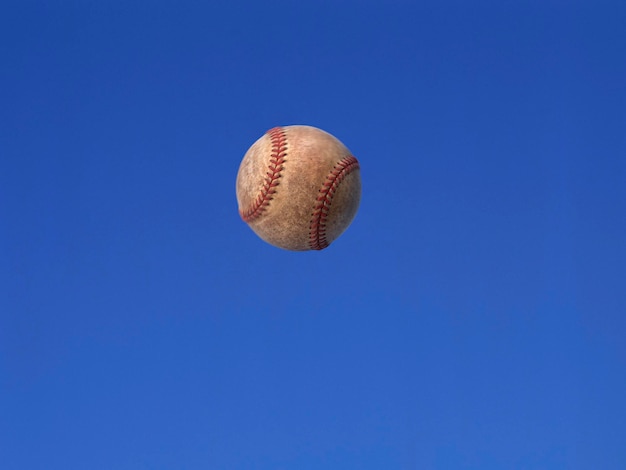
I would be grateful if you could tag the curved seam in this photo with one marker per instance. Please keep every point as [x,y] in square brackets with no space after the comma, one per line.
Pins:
[277,159]
[319,217]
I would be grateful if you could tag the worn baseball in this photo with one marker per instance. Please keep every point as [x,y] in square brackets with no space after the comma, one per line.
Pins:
[298,188]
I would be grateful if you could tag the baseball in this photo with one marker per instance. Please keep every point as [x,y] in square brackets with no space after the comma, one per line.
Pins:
[298,188]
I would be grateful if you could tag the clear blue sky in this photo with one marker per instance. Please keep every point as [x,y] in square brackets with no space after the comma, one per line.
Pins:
[472,317]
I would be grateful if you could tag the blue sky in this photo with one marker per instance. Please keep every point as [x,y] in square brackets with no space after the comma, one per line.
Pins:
[471,317]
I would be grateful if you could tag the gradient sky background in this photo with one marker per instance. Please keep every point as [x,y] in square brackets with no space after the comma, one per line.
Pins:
[472,317]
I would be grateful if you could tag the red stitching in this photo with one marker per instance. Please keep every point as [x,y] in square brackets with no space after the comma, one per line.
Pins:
[317,231]
[277,158]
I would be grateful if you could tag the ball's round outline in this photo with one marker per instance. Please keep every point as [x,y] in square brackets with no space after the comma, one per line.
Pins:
[319,215]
